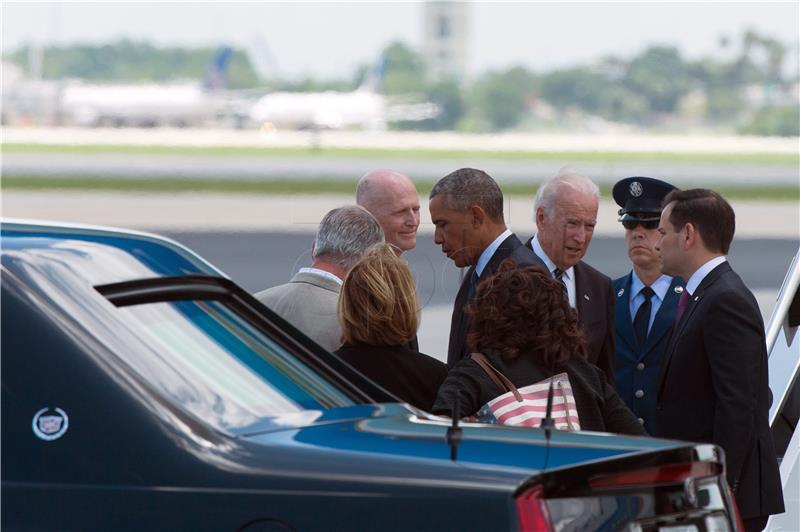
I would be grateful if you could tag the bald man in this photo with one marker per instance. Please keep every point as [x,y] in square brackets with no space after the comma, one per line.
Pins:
[392,198]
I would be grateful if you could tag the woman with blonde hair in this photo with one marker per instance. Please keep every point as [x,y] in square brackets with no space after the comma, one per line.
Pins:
[379,315]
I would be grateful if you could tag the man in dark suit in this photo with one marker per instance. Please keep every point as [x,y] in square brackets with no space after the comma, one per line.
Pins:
[714,385]
[647,300]
[565,212]
[467,212]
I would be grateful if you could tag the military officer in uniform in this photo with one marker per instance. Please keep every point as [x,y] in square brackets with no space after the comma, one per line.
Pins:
[646,300]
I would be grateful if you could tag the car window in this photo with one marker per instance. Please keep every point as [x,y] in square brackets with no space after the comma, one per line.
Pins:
[223,369]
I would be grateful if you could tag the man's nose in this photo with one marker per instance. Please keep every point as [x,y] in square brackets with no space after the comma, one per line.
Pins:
[580,234]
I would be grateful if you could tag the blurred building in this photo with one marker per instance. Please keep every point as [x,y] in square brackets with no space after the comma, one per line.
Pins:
[446,39]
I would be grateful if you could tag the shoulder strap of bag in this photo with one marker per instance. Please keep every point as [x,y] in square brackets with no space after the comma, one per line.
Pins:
[496,375]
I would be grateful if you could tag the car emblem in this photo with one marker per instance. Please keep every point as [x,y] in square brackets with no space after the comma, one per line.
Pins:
[49,425]
[678,289]
[636,189]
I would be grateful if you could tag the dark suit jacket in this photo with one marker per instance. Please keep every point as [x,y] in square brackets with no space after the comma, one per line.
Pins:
[599,407]
[511,248]
[638,367]
[714,388]
[594,298]
[594,301]
[412,376]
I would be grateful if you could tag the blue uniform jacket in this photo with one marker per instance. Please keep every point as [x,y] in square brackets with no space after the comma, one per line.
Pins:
[638,368]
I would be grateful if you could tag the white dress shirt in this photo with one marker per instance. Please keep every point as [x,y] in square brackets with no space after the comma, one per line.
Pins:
[568,276]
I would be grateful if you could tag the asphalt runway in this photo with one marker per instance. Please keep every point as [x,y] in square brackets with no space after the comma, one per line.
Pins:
[314,166]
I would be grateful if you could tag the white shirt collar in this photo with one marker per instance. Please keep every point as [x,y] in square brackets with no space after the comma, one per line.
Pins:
[322,273]
[698,276]
[537,248]
[487,254]
[659,286]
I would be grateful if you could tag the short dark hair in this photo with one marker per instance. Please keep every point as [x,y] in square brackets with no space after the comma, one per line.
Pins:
[523,312]
[467,187]
[710,213]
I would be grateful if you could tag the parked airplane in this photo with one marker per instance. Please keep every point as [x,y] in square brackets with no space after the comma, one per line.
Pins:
[148,104]
[364,108]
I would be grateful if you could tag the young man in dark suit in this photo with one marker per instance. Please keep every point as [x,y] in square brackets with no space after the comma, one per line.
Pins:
[467,212]
[565,212]
[714,384]
[647,300]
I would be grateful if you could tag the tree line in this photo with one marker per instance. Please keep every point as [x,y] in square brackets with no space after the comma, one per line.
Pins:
[748,91]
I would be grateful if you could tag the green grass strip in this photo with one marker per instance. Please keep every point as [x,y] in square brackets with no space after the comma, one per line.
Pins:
[420,153]
[316,186]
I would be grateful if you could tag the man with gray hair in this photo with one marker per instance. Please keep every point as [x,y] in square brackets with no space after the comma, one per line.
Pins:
[565,212]
[308,301]
[467,213]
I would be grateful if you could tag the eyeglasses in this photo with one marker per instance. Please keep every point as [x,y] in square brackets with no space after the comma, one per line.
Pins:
[647,224]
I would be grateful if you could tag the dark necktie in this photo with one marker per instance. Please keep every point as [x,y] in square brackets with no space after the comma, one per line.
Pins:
[682,302]
[559,276]
[473,283]
[642,320]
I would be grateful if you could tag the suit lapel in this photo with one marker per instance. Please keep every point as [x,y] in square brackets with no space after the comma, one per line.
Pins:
[624,324]
[458,323]
[583,296]
[693,303]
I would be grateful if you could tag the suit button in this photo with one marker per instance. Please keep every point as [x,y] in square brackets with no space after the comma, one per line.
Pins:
[641,421]
[640,366]
[639,394]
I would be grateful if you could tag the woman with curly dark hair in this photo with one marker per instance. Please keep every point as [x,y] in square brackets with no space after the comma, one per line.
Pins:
[523,326]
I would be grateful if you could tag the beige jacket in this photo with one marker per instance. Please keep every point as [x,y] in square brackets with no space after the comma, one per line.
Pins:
[308,301]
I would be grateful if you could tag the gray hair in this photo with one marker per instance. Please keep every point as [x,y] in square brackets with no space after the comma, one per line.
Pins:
[467,187]
[345,234]
[548,192]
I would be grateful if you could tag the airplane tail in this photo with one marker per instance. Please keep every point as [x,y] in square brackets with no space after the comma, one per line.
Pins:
[374,80]
[217,75]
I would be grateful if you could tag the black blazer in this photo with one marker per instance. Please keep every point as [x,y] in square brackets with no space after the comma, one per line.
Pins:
[599,407]
[412,376]
[714,388]
[511,248]
[594,302]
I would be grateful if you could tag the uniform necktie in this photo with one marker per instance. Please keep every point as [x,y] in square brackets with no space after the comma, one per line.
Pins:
[682,302]
[559,276]
[642,320]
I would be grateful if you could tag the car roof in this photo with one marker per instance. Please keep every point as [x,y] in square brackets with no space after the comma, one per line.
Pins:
[99,255]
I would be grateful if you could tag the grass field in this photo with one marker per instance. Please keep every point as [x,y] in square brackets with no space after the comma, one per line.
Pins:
[420,154]
[311,186]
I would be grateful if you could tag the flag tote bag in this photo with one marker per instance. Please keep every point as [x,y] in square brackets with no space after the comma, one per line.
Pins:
[526,406]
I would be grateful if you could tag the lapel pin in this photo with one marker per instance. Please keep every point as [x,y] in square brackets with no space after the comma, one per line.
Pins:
[621,291]
[586,297]
[678,289]
[696,298]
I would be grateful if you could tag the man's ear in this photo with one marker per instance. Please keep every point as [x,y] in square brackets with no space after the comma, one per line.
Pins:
[539,218]
[478,216]
[690,236]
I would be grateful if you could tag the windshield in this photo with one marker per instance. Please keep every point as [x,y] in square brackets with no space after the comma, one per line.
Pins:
[222,368]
